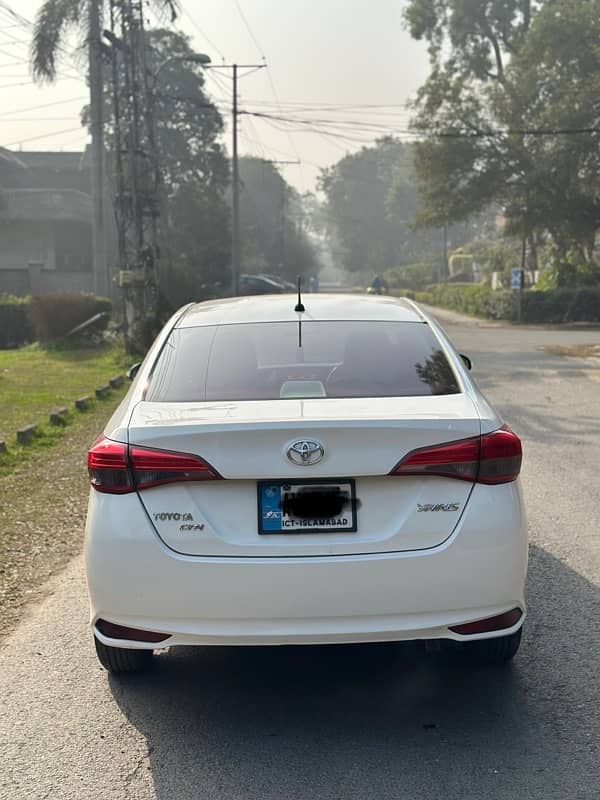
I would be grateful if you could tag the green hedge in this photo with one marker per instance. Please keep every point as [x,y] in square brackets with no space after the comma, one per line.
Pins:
[15,328]
[562,305]
[551,306]
[54,315]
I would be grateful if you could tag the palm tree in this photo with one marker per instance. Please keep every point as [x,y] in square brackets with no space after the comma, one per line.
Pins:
[54,21]
[56,18]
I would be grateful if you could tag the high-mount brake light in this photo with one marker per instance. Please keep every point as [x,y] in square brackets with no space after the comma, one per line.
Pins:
[115,468]
[491,459]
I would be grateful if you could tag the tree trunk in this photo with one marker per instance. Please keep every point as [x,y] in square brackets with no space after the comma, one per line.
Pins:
[101,279]
[532,249]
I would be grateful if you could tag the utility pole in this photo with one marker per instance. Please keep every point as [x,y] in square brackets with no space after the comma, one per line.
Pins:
[137,203]
[235,175]
[446,270]
[235,188]
[522,276]
[99,260]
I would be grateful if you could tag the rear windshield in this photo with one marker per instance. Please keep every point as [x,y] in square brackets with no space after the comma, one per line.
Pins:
[280,360]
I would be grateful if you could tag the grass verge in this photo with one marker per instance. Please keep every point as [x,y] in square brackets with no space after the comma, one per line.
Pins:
[36,380]
[43,504]
[575,351]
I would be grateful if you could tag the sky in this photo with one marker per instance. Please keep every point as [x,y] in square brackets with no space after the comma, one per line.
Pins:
[339,73]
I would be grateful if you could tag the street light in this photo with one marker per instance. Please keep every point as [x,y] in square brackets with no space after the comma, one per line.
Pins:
[192,58]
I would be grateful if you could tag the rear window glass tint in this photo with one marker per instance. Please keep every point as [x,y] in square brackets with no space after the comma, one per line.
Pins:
[264,361]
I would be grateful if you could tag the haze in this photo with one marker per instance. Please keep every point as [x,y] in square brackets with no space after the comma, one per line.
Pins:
[334,53]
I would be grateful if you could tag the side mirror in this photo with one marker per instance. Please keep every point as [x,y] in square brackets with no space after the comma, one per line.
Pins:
[133,370]
[467,361]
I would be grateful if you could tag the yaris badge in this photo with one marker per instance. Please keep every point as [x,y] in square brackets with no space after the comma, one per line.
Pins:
[305,453]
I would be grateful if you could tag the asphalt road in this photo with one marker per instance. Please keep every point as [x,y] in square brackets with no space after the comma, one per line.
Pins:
[351,723]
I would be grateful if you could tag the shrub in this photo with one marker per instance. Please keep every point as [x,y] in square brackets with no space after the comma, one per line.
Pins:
[412,276]
[562,305]
[466,298]
[552,306]
[15,328]
[54,315]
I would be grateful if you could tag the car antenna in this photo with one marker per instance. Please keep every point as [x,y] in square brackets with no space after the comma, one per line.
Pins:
[300,310]
[299,305]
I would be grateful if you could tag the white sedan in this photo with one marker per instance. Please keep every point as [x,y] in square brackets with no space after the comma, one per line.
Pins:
[287,476]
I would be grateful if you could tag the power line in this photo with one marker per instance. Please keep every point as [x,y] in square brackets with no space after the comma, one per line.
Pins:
[330,127]
[267,147]
[44,105]
[26,24]
[38,119]
[29,83]
[13,85]
[270,79]
[249,29]
[257,141]
[202,33]
[41,136]
[218,80]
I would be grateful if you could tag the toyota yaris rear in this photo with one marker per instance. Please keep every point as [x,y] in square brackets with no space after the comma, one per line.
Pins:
[283,477]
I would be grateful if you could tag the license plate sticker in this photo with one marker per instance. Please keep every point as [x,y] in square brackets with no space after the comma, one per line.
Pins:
[296,506]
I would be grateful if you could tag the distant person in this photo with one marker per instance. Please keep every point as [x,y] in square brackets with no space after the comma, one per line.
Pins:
[313,283]
[378,285]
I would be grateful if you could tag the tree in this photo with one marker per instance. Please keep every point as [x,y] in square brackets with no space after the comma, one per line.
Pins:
[273,237]
[501,119]
[477,35]
[57,18]
[192,170]
[554,86]
[54,21]
[358,191]
[371,201]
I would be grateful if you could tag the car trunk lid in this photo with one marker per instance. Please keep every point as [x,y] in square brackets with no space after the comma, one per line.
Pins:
[249,442]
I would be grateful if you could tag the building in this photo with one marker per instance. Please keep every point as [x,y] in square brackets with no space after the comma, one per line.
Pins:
[45,223]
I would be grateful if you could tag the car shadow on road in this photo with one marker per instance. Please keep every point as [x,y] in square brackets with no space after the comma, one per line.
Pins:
[547,428]
[381,721]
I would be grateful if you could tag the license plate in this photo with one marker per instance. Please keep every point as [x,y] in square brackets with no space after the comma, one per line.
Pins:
[296,506]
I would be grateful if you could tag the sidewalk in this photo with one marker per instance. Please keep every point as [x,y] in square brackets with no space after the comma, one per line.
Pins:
[447,317]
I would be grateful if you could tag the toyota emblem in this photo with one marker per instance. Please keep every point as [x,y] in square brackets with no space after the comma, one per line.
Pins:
[305,453]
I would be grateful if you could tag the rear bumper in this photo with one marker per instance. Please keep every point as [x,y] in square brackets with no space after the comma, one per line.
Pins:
[136,581]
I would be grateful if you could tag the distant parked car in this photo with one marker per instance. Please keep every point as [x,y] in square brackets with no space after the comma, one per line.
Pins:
[260,284]
[288,285]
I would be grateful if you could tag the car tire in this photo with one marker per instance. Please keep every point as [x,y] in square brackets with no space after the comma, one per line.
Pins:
[493,651]
[120,660]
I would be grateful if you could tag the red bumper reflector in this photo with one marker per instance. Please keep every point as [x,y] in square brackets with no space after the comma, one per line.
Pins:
[498,623]
[133,634]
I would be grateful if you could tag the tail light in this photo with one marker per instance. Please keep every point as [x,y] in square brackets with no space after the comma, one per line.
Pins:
[116,468]
[492,458]
[108,467]
[155,467]
[501,456]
